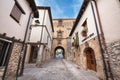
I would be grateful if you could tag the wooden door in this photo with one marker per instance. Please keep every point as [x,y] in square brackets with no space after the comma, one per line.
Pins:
[33,54]
[91,62]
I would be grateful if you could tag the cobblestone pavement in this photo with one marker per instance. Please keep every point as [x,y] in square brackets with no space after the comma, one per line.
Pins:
[57,70]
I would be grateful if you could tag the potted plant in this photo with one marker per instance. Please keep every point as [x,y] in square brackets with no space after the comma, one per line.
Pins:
[76,43]
[73,44]
[84,33]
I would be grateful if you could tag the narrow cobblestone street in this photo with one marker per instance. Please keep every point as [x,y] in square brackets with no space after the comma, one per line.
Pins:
[57,69]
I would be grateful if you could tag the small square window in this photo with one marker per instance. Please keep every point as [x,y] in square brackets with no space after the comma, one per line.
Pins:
[59,41]
[16,12]
[59,34]
[60,22]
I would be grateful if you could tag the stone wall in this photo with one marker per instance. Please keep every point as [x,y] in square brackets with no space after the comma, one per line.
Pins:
[65,27]
[114,58]
[13,62]
[80,56]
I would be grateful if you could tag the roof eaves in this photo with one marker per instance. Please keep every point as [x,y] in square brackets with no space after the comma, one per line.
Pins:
[32,5]
[49,11]
[82,9]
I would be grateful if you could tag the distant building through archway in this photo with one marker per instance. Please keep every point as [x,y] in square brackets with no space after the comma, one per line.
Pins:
[59,52]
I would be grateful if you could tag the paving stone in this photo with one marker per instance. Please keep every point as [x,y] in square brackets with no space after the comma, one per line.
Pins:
[57,70]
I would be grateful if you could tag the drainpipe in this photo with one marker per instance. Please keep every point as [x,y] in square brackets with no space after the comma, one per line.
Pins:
[99,40]
[23,53]
[103,41]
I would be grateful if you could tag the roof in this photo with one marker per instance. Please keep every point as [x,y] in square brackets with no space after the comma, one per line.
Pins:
[49,11]
[32,4]
[33,7]
[83,7]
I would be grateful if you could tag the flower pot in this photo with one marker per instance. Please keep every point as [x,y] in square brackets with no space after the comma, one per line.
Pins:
[84,33]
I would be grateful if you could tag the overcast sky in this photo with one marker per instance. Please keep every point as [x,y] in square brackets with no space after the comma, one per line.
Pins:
[62,8]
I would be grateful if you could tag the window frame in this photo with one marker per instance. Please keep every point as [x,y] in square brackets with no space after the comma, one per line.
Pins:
[19,8]
[59,41]
[60,22]
[59,34]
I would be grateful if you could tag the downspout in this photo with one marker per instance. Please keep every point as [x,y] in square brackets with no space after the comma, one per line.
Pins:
[100,44]
[23,53]
[103,39]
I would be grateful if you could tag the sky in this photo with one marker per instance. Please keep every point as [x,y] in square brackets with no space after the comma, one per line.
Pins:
[62,8]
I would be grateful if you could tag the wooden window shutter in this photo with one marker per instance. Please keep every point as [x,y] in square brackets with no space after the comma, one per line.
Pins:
[16,13]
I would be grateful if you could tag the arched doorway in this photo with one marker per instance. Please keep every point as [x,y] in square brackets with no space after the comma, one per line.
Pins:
[59,52]
[90,58]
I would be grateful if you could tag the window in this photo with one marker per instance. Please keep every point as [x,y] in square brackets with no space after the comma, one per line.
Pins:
[60,22]
[16,12]
[59,41]
[4,52]
[59,34]
[85,29]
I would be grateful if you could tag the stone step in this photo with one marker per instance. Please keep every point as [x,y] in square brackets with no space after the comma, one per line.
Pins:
[1,74]
[30,65]
[1,71]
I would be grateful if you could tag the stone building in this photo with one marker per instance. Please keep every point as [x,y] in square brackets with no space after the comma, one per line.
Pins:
[61,41]
[40,41]
[95,38]
[15,18]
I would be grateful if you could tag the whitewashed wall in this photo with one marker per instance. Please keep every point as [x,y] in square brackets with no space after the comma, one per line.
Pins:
[46,25]
[110,18]
[47,29]
[8,24]
[35,34]
[87,15]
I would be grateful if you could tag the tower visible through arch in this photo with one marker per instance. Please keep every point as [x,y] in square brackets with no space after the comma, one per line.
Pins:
[61,40]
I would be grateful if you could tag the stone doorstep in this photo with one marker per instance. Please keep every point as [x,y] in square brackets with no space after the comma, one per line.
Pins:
[2,68]
[1,74]
[30,65]
[1,71]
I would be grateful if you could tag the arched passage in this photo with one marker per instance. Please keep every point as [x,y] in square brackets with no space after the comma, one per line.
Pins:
[59,52]
[90,58]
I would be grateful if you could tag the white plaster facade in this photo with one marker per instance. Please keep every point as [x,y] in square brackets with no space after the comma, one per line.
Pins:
[8,24]
[41,33]
[87,16]
[109,15]
[108,19]
[14,35]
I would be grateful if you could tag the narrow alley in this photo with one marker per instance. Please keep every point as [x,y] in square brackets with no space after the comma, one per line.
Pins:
[57,69]
[60,40]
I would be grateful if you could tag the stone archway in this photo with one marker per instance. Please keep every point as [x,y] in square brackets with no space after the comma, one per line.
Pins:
[90,58]
[59,52]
